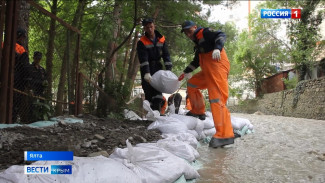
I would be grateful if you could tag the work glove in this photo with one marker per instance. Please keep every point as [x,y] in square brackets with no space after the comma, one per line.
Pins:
[185,75]
[216,54]
[147,77]
[45,83]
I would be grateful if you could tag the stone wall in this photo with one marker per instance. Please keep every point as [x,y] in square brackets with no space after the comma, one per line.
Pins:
[307,100]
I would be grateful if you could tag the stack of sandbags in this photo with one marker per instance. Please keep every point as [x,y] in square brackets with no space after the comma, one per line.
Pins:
[154,164]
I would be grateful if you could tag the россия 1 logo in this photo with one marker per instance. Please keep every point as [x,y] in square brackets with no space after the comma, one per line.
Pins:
[281,13]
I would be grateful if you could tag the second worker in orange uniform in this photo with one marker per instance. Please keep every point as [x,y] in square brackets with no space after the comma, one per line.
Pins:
[211,56]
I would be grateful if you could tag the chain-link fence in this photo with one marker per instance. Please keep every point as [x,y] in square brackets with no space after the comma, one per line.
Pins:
[27,93]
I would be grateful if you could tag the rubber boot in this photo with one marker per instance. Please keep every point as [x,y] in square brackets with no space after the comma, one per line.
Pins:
[216,142]
[200,116]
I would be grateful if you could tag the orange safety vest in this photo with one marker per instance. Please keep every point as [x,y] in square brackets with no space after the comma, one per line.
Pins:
[148,43]
[18,48]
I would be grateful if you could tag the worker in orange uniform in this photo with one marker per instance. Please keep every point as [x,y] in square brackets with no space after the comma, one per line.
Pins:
[211,56]
[21,78]
[151,48]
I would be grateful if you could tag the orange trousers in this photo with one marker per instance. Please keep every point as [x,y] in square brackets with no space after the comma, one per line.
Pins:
[214,77]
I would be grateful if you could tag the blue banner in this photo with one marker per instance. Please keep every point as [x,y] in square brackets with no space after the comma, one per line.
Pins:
[48,156]
[48,169]
[61,169]
[275,13]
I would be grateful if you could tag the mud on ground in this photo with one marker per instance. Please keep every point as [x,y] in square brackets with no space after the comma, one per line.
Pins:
[93,136]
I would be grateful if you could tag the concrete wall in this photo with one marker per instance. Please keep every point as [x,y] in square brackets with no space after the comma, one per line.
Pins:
[307,100]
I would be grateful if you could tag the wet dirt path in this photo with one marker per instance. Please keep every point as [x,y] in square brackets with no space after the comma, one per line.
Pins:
[282,149]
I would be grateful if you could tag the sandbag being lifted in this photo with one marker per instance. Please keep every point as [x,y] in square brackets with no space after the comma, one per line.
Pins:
[165,81]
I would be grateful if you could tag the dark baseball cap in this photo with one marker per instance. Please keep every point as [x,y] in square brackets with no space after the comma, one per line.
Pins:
[146,21]
[187,24]
[21,32]
[37,54]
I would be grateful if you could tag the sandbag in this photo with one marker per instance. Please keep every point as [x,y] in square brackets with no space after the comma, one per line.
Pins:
[184,137]
[165,81]
[154,164]
[208,122]
[179,148]
[151,115]
[189,121]
[238,123]
[168,125]
[128,114]
[210,132]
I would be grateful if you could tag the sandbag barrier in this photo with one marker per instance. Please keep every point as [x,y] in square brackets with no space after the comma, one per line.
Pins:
[171,159]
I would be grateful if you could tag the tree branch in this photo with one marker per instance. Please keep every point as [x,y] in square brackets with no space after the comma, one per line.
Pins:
[124,41]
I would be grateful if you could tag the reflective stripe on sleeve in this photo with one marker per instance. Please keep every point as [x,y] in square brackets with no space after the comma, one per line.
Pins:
[214,100]
[144,64]
[191,85]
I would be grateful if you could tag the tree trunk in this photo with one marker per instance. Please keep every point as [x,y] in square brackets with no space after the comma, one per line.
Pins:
[110,61]
[125,61]
[133,65]
[61,87]
[113,44]
[65,62]
[23,20]
[50,50]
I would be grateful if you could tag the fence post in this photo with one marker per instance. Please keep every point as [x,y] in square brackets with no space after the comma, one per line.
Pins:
[8,59]
[79,94]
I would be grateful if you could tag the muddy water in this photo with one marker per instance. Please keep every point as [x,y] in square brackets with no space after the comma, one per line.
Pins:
[282,149]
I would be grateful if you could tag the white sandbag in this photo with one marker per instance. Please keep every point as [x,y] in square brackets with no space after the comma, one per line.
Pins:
[151,115]
[210,132]
[154,164]
[168,125]
[184,137]
[199,129]
[194,133]
[238,123]
[179,148]
[165,81]
[181,111]
[128,114]
[172,109]
[84,169]
[190,121]
[208,122]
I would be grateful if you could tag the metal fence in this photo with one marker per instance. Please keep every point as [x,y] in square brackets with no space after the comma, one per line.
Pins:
[22,84]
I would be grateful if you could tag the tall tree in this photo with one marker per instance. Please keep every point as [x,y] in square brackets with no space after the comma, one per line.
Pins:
[50,49]
[23,19]
[304,33]
[64,68]
[260,50]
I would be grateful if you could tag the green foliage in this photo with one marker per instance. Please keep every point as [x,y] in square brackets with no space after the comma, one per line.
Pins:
[290,83]
[42,110]
[304,33]
[259,50]
[117,92]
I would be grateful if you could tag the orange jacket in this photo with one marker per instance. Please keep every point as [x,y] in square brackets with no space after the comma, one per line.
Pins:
[18,48]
